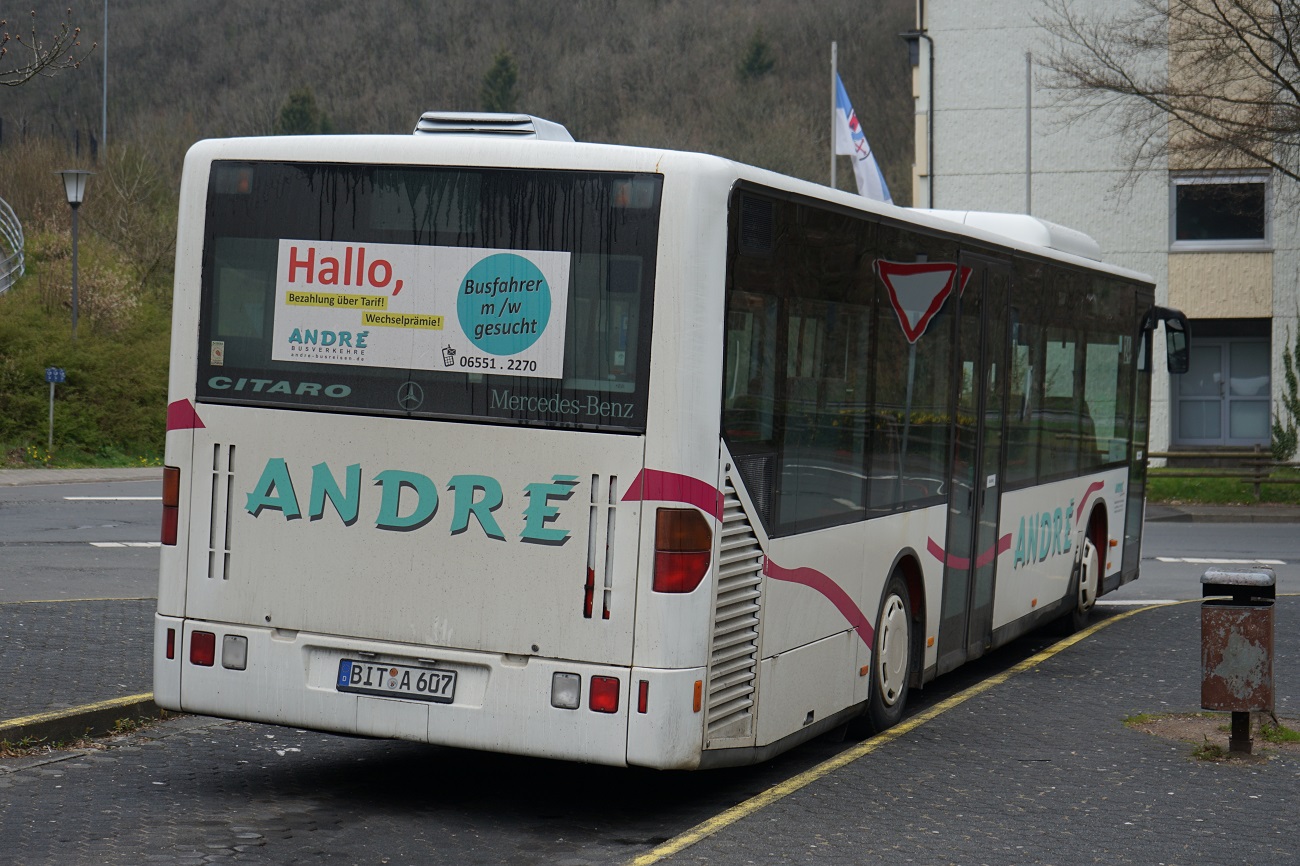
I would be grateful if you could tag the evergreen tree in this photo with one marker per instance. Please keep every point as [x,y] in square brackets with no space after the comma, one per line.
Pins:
[301,116]
[757,60]
[498,90]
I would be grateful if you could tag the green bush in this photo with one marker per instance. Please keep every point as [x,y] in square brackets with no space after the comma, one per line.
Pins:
[112,408]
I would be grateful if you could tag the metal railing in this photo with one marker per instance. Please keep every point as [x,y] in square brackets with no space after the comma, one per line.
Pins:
[1254,467]
[11,247]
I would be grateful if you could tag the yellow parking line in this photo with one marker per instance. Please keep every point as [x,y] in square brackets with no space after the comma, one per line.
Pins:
[796,783]
[55,715]
[76,600]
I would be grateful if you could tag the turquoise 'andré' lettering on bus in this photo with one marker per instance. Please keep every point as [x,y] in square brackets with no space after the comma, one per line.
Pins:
[321,337]
[540,511]
[324,486]
[481,509]
[478,496]
[391,482]
[275,478]
[1042,535]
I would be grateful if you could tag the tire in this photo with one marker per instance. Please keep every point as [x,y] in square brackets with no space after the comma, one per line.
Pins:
[891,658]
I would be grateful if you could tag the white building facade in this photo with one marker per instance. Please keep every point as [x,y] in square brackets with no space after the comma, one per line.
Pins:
[990,137]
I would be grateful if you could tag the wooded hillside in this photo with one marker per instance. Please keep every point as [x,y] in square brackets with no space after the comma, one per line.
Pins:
[747,79]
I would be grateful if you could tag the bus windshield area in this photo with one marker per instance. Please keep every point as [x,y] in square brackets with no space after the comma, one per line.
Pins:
[498,295]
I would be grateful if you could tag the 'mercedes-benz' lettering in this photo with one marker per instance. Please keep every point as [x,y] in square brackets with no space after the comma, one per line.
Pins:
[278,386]
[590,407]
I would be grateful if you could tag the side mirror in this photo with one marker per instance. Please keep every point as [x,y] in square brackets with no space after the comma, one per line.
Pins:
[1177,340]
[1177,343]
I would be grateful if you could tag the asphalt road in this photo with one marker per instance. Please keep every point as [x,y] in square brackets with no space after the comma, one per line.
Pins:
[68,541]
[1175,555]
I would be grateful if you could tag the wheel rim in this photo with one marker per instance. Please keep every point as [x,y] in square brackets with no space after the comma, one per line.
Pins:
[892,650]
[1088,599]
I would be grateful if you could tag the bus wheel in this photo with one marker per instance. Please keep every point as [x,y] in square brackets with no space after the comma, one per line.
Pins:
[891,658]
[1086,588]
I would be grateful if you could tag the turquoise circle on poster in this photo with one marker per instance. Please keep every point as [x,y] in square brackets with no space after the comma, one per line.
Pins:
[503,304]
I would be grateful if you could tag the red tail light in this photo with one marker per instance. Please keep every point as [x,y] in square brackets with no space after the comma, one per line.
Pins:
[171,643]
[203,648]
[171,501]
[604,694]
[683,549]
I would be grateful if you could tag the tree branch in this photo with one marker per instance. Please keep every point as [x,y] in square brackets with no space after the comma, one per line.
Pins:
[25,56]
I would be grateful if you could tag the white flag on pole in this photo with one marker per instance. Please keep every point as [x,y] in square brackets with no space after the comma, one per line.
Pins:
[850,141]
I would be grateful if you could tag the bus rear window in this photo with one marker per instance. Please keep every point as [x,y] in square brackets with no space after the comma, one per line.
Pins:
[500,295]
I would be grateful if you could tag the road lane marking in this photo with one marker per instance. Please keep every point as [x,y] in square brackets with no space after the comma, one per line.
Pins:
[1207,561]
[125,543]
[113,498]
[796,783]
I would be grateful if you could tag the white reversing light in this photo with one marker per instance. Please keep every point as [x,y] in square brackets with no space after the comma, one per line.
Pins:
[234,652]
[566,691]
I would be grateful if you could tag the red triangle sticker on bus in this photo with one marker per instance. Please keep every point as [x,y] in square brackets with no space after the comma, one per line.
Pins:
[917,290]
[181,415]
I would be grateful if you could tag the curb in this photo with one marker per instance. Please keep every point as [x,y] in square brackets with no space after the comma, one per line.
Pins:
[25,477]
[1157,513]
[88,720]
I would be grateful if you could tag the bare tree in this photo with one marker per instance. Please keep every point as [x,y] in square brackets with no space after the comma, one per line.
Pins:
[1193,84]
[23,56]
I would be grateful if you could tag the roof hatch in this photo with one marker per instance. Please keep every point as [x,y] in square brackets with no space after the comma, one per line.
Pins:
[487,125]
[1026,229]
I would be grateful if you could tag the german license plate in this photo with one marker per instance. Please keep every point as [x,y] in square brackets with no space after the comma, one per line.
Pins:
[397,681]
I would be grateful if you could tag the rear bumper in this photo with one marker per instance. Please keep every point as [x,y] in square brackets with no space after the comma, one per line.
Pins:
[502,702]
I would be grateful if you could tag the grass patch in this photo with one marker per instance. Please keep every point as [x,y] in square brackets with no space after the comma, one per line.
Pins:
[1137,720]
[1174,490]
[1278,733]
[1209,752]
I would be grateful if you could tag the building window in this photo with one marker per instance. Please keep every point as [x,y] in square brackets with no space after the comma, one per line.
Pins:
[1219,212]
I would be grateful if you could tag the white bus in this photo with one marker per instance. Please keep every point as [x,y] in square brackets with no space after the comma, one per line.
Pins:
[486,438]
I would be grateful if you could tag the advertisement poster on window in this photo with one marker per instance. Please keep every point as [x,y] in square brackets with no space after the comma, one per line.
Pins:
[421,307]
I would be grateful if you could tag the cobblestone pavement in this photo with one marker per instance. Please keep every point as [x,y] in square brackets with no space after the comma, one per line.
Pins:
[1037,769]
[65,654]
[1041,769]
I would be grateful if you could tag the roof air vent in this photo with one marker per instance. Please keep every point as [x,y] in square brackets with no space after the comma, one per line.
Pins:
[483,125]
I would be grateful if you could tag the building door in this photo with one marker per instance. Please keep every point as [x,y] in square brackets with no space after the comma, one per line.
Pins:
[1224,398]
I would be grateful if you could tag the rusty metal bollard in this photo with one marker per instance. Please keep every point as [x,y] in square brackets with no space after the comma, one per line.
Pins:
[1237,646]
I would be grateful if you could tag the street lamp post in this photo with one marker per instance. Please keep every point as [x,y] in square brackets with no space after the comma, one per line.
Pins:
[103,116]
[74,184]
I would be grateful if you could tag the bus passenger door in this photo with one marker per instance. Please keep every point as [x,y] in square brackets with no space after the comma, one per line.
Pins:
[975,472]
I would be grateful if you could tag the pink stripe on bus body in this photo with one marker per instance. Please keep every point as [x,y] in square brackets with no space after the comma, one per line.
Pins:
[832,591]
[984,558]
[658,486]
[1092,488]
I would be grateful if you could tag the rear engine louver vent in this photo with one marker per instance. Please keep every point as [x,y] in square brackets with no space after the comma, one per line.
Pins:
[598,591]
[223,482]
[733,660]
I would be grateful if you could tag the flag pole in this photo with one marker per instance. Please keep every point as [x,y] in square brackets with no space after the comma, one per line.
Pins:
[834,73]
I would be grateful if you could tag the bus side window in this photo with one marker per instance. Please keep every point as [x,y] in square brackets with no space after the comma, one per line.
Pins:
[749,387]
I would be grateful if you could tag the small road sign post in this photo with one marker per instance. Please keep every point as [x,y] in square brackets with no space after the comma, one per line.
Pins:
[53,375]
